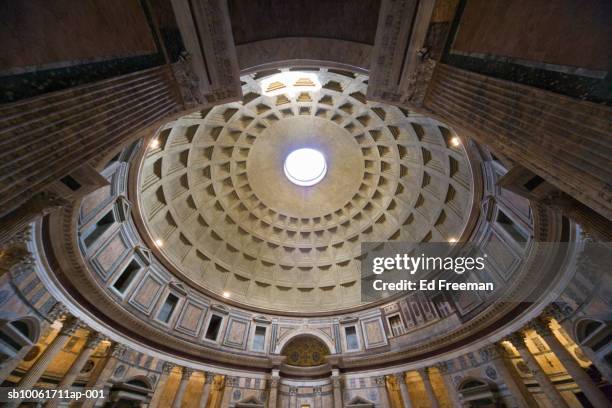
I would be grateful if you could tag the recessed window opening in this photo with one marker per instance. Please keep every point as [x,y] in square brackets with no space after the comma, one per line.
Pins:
[71,183]
[213,327]
[92,233]
[352,343]
[259,338]
[511,228]
[168,308]
[127,276]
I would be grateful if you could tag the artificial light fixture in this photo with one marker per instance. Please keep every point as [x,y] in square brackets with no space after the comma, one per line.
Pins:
[154,143]
[455,141]
[305,167]
[226,295]
[159,243]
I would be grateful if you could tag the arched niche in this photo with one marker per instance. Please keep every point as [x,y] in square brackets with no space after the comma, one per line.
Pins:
[477,392]
[17,334]
[132,393]
[304,332]
[586,328]
[305,351]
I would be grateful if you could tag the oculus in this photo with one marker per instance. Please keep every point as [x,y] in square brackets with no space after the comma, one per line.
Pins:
[305,167]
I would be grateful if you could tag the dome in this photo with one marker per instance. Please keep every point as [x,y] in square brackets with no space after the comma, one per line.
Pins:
[214,193]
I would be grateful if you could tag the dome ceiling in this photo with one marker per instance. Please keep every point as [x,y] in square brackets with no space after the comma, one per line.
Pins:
[213,193]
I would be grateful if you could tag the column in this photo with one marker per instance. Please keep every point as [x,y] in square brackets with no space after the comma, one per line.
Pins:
[178,397]
[293,397]
[382,392]
[523,398]
[102,373]
[208,379]
[31,377]
[451,390]
[588,387]
[93,340]
[230,384]
[337,387]
[318,400]
[161,384]
[6,368]
[433,401]
[555,311]
[518,340]
[401,379]
[274,381]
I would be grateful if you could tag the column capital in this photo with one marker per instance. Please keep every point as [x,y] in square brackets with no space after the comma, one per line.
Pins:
[70,326]
[380,380]
[274,381]
[94,339]
[443,367]
[493,351]
[58,312]
[554,311]
[293,390]
[118,350]
[517,339]
[208,377]
[232,381]
[186,373]
[317,390]
[167,367]
[424,371]
[540,326]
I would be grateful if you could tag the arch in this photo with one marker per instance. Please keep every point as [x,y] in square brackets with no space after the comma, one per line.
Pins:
[585,328]
[18,333]
[140,381]
[28,326]
[305,332]
[478,392]
[305,351]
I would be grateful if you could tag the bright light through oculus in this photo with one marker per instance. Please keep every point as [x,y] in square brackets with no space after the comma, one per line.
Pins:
[305,167]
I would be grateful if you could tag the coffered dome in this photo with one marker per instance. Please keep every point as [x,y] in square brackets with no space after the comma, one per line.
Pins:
[214,196]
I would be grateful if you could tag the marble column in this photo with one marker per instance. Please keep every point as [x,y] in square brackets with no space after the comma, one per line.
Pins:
[549,389]
[161,384]
[596,397]
[293,397]
[496,353]
[381,384]
[208,379]
[180,393]
[31,377]
[451,389]
[92,342]
[7,367]
[555,311]
[102,373]
[318,399]
[401,379]
[337,387]
[274,382]
[433,400]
